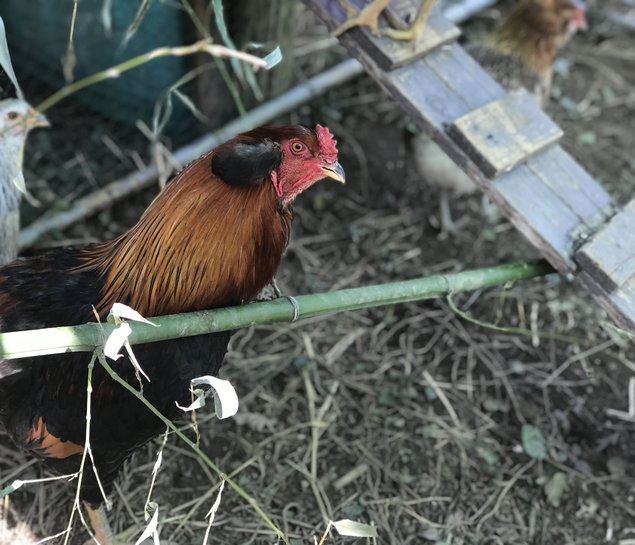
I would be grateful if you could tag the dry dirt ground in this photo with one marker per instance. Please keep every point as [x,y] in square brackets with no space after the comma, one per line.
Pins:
[409,418]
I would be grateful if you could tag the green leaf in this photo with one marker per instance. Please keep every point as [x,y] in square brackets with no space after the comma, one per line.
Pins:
[134,26]
[534,442]
[617,466]
[569,104]
[5,59]
[219,16]
[243,72]
[189,104]
[489,456]
[431,431]
[11,488]
[351,528]
[587,138]
[608,94]
[431,395]
[106,16]
[555,487]
[273,58]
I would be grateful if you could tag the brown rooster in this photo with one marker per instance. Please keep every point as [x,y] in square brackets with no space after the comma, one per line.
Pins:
[519,53]
[214,237]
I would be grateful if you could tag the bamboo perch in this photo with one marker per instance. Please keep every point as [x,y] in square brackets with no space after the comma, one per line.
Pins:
[85,337]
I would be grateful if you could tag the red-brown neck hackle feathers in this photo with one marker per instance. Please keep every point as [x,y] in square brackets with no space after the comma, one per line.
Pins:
[201,244]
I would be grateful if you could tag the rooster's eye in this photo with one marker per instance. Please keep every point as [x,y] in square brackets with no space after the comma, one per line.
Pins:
[297,147]
[12,115]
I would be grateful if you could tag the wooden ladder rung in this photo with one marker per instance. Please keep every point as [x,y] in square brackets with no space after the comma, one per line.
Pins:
[504,133]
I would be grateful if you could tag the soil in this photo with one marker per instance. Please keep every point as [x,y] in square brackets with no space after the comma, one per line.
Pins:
[410,418]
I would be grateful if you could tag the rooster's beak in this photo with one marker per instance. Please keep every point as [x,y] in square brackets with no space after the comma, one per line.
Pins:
[335,171]
[37,120]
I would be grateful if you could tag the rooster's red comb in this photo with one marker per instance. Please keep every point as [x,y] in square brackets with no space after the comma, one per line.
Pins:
[328,144]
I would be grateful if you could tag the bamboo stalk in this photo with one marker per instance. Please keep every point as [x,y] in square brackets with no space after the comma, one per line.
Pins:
[86,337]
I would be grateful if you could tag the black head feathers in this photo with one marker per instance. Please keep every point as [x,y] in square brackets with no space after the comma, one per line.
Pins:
[246,162]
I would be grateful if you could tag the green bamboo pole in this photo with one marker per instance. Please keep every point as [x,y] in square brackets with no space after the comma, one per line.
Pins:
[84,338]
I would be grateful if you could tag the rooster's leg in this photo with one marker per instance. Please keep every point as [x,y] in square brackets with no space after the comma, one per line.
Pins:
[366,17]
[101,527]
[417,26]
[275,288]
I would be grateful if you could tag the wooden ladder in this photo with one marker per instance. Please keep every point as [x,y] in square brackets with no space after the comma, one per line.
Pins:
[509,147]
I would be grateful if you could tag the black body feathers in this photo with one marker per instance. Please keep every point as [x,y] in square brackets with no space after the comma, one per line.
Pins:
[27,302]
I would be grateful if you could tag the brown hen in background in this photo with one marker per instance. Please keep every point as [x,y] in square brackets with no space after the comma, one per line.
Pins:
[519,53]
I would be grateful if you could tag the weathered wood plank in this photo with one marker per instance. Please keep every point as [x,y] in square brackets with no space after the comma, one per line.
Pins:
[504,133]
[388,53]
[609,257]
[547,199]
[576,191]
[464,77]
[433,96]
[543,218]
[574,185]
[549,222]
[579,203]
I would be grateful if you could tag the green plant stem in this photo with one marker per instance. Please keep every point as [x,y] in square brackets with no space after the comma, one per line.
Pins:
[116,71]
[511,330]
[85,337]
